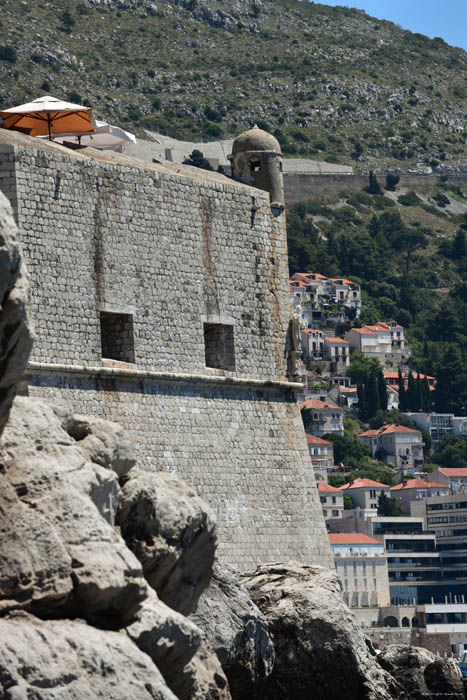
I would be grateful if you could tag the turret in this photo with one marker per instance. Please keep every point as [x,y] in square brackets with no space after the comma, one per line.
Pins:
[257,160]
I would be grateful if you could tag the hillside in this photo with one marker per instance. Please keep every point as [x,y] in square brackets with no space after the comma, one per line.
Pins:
[332,83]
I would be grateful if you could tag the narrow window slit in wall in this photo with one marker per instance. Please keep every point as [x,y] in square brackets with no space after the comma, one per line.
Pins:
[117,340]
[219,346]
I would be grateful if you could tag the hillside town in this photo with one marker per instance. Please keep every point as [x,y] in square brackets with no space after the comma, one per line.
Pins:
[400,548]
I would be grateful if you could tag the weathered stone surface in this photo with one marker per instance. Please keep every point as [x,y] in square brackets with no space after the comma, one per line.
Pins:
[172,532]
[170,639]
[208,679]
[423,675]
[15,332]
[101,441]
[69,660]
[51,477]
[237,631]
[320,649]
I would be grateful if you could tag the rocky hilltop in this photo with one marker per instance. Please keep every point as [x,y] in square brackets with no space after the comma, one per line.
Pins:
[101,564]
[333,83]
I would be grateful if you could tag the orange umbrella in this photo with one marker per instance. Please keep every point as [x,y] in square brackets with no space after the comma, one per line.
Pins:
[48,116]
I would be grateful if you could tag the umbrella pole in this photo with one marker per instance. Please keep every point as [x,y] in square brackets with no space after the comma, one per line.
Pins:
[48,126]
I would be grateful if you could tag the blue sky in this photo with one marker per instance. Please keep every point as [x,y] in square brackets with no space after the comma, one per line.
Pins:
[444,18]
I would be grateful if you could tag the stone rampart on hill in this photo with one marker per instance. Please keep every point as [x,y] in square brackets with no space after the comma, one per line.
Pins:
[161,302]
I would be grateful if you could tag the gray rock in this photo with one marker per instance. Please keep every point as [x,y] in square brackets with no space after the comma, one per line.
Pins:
[170,639]
[207,677]
[51,477]
[69,660]
[320,648]
[101,441]
[423,675]
[173,534]
[15,327]
[237,631]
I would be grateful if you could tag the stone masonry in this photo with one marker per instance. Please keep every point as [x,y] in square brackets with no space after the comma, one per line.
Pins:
[160,300]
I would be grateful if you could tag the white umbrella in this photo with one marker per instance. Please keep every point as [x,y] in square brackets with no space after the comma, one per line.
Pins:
[106,137]
[48,116]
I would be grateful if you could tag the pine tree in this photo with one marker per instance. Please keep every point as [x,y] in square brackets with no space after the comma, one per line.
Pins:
[382,391]
[402,392]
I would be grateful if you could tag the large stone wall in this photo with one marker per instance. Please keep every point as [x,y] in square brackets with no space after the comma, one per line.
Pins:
[167,252]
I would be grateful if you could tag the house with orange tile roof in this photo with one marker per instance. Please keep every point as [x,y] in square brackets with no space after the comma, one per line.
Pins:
[312,343]
[323,417]
[321,456]
[332,500]
[318,298]
[361,564]
[396,445]
[455,478]
[364,493]
[337,352]
[392,379]
[384,341]
[416,489]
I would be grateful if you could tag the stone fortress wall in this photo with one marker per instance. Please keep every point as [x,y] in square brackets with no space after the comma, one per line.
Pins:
[160,300]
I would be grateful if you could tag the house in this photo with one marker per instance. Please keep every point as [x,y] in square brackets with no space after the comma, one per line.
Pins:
[384,340]
[440,424]
[396,445]
[348,397]
[362,567]
[318,298]
[364,493]
[332,500]
[455,478]
[312,343]
[415,489]
[323,417]
[336,351]
[392,379]
[321,455]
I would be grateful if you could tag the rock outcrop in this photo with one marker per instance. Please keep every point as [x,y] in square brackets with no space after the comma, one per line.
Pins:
[172,532]
[423,675]
[15,326]
[319,646]
[237,631]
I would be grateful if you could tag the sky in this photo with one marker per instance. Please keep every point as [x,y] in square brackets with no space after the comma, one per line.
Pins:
[444,18]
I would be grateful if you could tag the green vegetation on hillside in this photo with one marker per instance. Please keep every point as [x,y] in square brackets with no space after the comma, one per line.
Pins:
[331,82]
[411,261]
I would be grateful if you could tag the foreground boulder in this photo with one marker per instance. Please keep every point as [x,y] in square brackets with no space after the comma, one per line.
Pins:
[423,675]
[319,646]
[238,633]
[59,549]
[15,327]
[172,532]
[69,660]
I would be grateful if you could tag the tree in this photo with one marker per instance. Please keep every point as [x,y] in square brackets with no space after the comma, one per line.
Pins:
[372,393]
[459,245]
[373,184]
[387,506]
[8,53]
[408,241]
[68,20]
[348,505]
[362,405]
[451,451]
[391,182]
[198,160]
[411,392]
[427,403]
[402,392]
[382,391]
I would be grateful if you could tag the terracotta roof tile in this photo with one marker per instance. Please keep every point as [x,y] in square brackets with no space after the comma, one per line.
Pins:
[362,483]
[351,538]
[417,484]
[316,403]
[455,472]
[312,440]
[327,488]
[337,340]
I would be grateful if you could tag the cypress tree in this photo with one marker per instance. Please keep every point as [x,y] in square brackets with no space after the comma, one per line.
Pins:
[382,391]
[402,392]
[427,403]
[418,394]
[411,393]
[372,393]
[362,405]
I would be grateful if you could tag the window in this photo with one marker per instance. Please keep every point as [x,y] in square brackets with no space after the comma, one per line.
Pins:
[325,513]
[373,493]
[335,513]
[219,346]
[117,341]
[333,499]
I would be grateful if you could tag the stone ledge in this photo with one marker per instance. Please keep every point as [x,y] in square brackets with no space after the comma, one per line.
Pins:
[124,373]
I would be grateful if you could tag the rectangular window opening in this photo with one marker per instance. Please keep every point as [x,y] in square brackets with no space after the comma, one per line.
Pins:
[117,339]
[219,346]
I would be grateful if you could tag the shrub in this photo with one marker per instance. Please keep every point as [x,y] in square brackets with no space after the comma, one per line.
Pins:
[410,199]
[8,53]
[391,182]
